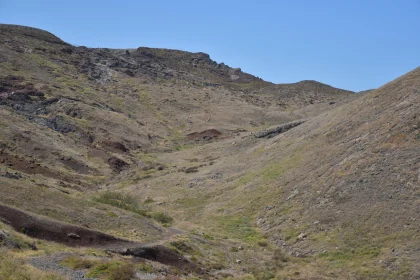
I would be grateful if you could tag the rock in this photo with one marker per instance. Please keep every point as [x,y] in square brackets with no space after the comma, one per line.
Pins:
[117,164]
[3,235]
[216,176]
[278,130]
[4,221]
[129,73]
[292,195]
[301,236]
[73,236]
[15,175]
[260,222]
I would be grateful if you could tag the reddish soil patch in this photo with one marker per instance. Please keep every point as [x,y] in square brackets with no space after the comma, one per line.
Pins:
[26,166]
[32,167]
[52,230]
[78,166]
[205,135]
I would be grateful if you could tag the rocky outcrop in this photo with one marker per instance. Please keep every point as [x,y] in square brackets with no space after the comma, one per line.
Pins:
[117,164]
[277,130]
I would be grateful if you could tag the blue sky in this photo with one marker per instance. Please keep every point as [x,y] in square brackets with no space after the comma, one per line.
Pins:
[353,44]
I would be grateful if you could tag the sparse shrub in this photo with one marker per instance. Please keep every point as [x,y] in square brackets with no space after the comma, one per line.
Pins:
[280,258]
[265,275]
[262,243]
[145,267]
[130,203]
[125,271]
[181,246]
[234,249]
[78,263]
[123,201]
[102,269]
[162,217]
[113,270]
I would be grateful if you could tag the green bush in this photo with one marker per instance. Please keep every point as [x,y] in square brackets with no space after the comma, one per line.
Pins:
[125,271]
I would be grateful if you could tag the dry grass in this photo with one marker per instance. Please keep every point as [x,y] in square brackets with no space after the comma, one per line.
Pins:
[347,178]
[12,268]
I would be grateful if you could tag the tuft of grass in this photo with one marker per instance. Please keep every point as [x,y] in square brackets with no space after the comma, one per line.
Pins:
[345,255]
[130,203]
[262,243]
[78,263]
[145,267]
[125,271]
[123,201]
[162,218]
[239,228]
[113,270]
[181,246]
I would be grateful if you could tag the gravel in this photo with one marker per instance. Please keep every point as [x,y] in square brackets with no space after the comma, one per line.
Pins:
[52,263]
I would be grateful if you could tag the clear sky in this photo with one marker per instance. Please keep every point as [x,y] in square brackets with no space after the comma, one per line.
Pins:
[353,44]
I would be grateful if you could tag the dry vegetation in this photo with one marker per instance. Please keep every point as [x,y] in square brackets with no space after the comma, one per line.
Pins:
[99,138]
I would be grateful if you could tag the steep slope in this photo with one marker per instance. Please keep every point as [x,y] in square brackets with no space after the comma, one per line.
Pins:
[354,197]
[115,140]
[80,114]
[337,196]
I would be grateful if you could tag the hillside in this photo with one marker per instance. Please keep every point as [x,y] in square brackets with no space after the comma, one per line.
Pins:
[157,148]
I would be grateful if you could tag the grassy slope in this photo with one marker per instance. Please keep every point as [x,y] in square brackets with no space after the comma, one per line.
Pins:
[339,193]
[333,178]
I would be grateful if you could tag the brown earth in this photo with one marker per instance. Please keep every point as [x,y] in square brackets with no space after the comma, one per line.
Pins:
[70,235]
[52,230]
[205,135]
